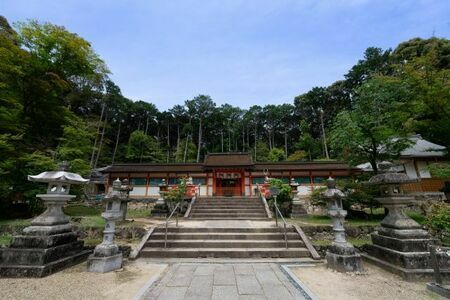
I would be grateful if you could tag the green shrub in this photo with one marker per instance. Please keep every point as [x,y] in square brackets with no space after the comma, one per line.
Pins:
[438,219]
[284,199]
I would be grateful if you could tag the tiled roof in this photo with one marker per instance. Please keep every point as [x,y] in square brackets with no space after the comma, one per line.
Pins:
[422,148]
[233,159]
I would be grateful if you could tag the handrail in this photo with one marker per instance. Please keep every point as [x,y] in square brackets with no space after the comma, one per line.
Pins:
[188,210]
[264,201]
[167,222]
[277,211]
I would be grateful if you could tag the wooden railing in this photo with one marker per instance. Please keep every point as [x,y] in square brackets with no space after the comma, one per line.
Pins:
[424,185]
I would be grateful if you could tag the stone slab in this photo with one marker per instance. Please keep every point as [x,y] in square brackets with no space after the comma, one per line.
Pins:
[248,285]
[201,287]
[225,293]
[224,278]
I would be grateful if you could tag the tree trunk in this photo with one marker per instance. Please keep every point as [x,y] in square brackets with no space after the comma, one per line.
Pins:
[270,140]
[96,136]
[243,138]
[255,142]
[199,140]
[168,141]
[101,141]
[178,137]
[285,145]
[117,144]
[221,138]
[185,148]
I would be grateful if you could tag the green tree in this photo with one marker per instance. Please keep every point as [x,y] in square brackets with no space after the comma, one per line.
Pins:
[143,148]
[374,129]
[262,151]
[276,154]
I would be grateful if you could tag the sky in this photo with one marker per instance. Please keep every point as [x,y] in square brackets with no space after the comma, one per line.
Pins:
[241,52]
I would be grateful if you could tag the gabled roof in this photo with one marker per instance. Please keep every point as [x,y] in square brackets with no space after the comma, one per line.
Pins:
[232,159]
[422,148]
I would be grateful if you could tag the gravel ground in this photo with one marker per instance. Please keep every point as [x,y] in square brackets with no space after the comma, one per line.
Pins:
[76,283]
[375,283]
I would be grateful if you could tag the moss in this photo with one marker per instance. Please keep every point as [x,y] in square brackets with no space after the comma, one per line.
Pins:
[320,243]
[5,239]
[359,241]
[92,241]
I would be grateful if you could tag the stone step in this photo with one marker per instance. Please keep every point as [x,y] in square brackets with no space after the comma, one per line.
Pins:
[225,243]
[224,236]
[224,229]
[227,210]
[222,252]
[229,214]
[229,204]
[230,218]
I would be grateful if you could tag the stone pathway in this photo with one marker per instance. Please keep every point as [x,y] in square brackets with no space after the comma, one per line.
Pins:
[223,281]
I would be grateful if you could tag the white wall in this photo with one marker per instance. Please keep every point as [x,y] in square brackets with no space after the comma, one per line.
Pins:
[410,169]
[138,191]
[422,167]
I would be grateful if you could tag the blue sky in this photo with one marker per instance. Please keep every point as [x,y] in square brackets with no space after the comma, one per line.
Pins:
[238,52]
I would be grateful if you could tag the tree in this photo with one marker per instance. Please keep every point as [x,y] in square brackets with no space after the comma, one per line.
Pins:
[200,107]
[276,154]
[262,151]
[374,129]
[143,148]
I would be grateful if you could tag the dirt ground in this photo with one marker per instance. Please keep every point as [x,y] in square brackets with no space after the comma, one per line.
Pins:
[375,283]
[77,283]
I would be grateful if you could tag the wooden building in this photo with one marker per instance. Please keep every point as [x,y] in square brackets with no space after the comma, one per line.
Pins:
[225,174]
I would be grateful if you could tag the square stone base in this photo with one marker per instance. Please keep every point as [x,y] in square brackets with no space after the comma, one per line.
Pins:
[104,264]
[16,270]
[298,210]
[344,263]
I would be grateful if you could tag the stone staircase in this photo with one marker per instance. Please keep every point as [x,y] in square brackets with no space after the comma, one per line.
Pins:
[189,242]
[226,208]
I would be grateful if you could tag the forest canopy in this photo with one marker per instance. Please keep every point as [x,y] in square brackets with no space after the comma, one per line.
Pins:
[58,102]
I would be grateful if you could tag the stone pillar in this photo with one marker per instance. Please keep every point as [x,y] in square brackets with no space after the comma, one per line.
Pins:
[49,244]
[341,256]
[106,256]
[401,245]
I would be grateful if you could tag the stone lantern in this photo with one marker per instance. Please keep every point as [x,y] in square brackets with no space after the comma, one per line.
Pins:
[163,188]
[298,204]
[49,244]
[106,256]
[400,245]
[125,188]
[341,256]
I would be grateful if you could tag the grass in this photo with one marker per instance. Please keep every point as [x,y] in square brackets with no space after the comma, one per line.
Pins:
[5,239]
[357,242]
[325,220]
[138,213]
[80,210]
[16,222]
[91,221]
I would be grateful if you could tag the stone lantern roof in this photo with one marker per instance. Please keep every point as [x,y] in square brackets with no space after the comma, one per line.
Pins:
[61,176]
[390,178]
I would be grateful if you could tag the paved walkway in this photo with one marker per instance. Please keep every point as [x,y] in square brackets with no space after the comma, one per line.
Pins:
[223,281]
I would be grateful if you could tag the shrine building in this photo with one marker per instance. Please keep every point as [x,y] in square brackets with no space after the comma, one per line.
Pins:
[225,174]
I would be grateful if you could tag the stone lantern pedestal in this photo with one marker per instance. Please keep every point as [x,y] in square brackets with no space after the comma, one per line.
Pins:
[341,256]
[106,256]
[401,245]
[49,244]
[298,204]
